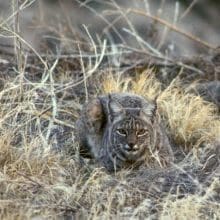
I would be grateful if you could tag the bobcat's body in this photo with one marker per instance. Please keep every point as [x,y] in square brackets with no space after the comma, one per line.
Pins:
[122,130]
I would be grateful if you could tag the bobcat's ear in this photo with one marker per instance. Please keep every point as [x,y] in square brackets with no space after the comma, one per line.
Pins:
[114,107]
[150,110]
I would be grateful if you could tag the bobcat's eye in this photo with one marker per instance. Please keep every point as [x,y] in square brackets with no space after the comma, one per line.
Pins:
[142,132]
[121,132]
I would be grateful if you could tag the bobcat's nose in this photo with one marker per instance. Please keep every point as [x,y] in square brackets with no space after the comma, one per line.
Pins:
[131,147]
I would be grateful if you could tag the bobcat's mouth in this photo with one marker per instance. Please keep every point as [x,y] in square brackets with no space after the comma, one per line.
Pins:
[132,153]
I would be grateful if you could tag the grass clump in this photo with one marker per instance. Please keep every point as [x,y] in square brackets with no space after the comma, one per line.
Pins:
[189,119]
[143,84]
[193,206]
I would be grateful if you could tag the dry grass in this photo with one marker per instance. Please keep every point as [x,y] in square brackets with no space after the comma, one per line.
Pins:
[189,208]
[37,182]
[143,84]
[40,179]
[191,120]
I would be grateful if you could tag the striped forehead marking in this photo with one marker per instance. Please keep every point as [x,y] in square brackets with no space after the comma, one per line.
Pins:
[131,123]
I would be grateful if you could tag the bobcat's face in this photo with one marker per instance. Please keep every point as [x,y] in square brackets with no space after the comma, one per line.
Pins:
[130,132]
[131,135]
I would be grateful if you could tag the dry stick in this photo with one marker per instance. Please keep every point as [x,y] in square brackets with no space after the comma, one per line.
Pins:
[124,14]
[139,39]
[158,55]
[52,90]
[110,25]
[82,63]
[23,6]
[179,63]
[18,45]
[53,100]
[166,29]
[83,4]
[188,9]
[27,44]
[90,71]
[84,74]
[147,6]
[132,32]
[47,117]
[68,19]
[172,27]
[30,179]
[75,56]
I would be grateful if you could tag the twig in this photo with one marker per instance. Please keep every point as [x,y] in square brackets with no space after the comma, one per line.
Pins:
[47,117]
[172,62]
[24,5]
[124,14]
[90,71]
[139,39]
[173,27]
[102,17]
[188,9]
[17,43]
[29,178]
[27,44]
[166,29]
[84,74]
[65,56]
[53,99]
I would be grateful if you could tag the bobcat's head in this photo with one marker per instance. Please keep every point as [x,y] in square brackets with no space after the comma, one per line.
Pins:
[130,131]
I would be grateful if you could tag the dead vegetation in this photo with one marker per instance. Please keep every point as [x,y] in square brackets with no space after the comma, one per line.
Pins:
[190,119]
[42,176]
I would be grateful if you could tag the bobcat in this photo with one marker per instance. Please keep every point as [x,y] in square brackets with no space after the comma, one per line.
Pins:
[122,130]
